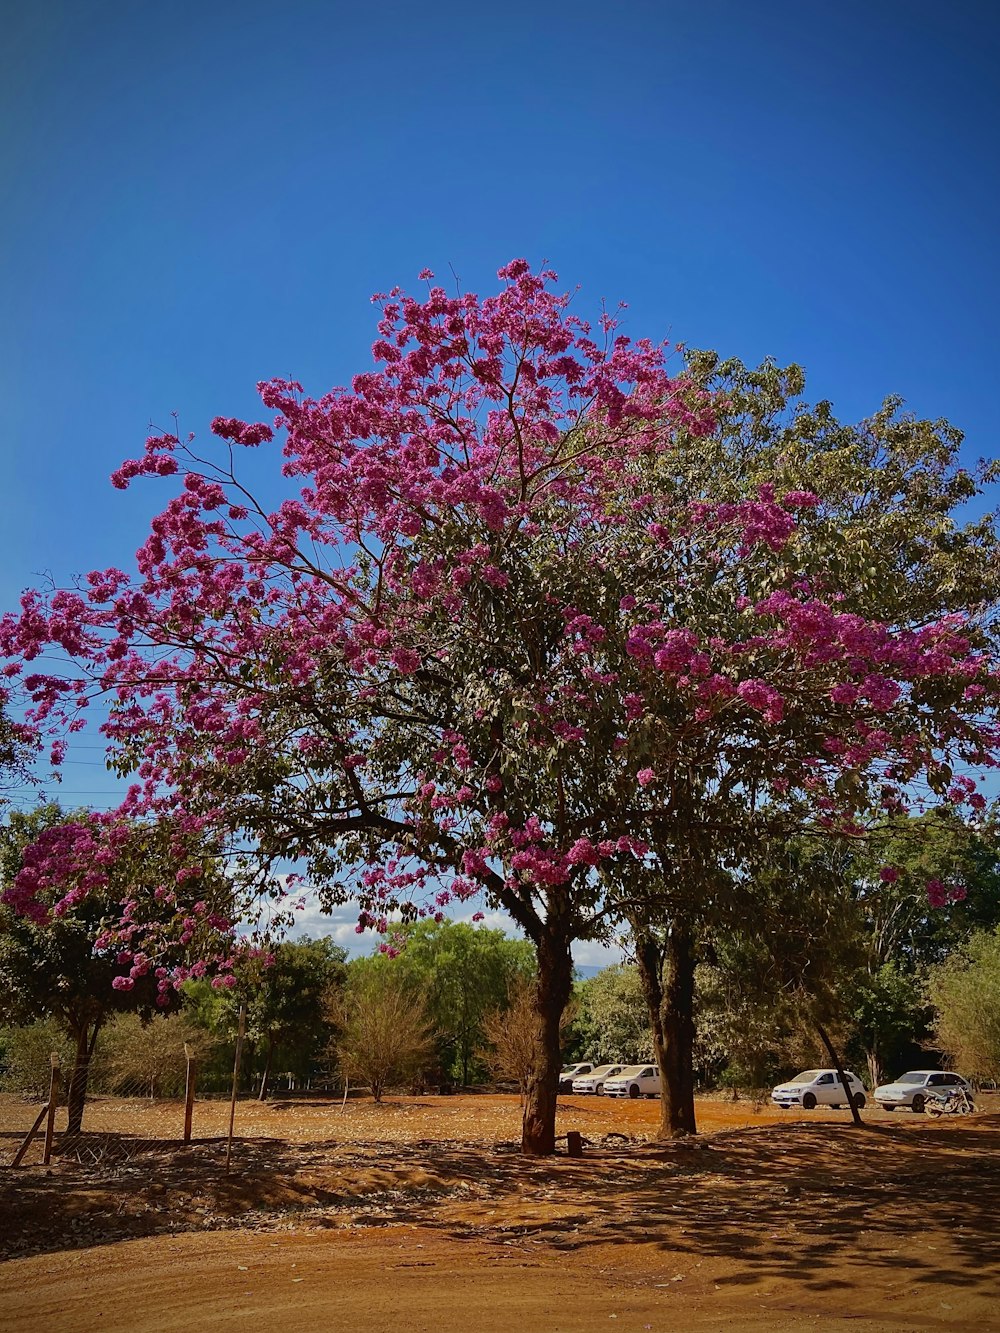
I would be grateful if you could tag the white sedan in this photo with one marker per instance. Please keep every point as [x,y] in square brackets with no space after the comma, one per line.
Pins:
[595,1080]
[913,1088]
[566,1076]
[634,1081]
[818,1087]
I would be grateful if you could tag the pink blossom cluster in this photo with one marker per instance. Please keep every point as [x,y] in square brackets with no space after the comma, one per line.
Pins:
[482,604]
[940,894]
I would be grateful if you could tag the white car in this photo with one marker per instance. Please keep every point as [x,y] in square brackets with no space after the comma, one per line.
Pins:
[818,1087]
[634,1081]
[911,1089]
[566,1076]
[595,1080]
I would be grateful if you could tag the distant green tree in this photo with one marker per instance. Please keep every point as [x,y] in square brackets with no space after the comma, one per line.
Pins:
[463,973]
[385,1033]
[287,994]
[776,980]
[746,1024]
[24,1056]
[150,1057]
[895,931]
[887,1014]
[508,1037]
[612,1021]
[965,992]
[841,937]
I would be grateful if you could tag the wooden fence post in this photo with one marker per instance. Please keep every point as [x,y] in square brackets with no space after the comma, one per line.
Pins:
[236,1081]
[26,1141]
[188,1092]
[55,1087]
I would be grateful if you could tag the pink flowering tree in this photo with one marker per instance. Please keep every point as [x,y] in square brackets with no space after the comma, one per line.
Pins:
[65,944]
[505,643]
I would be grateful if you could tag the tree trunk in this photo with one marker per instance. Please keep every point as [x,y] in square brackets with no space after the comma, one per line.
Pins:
[668,985]
[552,992]
[841,1075]
[265,1078]
[77,1094]
[874,1068]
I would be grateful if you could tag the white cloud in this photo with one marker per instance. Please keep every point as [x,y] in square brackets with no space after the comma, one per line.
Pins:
[591,953]
[340,923]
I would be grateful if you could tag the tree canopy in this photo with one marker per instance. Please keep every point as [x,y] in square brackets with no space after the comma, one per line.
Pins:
[18,745]
[545,622]
[965,991]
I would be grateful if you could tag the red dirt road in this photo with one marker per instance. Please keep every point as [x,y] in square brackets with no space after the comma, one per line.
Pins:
[419,1281]
[404,1218]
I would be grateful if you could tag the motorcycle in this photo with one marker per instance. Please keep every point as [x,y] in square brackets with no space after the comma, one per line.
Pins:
[950,1101]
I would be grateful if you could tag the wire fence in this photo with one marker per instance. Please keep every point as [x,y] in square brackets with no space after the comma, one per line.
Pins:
[137,1091]
[68,1108]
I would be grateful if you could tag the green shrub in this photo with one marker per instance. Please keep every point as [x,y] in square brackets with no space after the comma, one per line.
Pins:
[25,1066]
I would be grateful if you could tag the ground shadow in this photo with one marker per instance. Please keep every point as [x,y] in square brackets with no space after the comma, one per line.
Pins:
[789,1201]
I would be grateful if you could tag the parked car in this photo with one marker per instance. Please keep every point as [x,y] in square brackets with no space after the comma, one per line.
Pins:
[818,1087]
[634,1081]
[912,1088]
[567,1076]
[595,1080]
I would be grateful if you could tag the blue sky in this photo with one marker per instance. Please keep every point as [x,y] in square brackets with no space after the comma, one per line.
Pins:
[199,196]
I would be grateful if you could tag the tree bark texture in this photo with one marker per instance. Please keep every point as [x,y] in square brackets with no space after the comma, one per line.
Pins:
[77,1094]
[552,992]
[667,976]
[265,1078]
[875,1070]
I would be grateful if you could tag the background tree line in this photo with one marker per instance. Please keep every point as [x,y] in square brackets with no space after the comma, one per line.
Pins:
[889,976]
[312,1019]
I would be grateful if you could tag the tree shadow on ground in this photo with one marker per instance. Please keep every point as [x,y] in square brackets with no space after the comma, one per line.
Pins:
[787,1201]
[800,1203]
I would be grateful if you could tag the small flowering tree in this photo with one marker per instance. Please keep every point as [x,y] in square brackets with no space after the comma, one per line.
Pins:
[63,962]
[385,1035]
[506,641]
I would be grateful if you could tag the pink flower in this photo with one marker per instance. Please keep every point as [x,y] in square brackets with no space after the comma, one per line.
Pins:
[937,893]
[888,874]
[645,776]
[406,660]
[844,693]
[763,698]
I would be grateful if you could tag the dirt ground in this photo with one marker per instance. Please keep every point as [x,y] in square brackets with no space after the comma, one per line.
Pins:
[420,1215]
